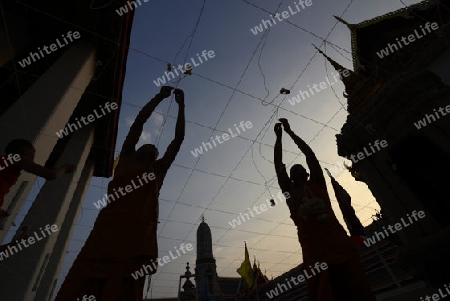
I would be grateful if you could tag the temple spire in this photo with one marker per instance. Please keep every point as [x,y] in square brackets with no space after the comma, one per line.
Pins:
[348,77]
[344,22]
[336,65]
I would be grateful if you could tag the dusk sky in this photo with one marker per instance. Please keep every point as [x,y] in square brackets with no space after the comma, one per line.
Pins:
[241,82]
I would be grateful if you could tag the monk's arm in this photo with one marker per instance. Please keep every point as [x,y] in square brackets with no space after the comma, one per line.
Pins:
[174,146]
[280,168]
[311,159]
[129,146]
[44,172]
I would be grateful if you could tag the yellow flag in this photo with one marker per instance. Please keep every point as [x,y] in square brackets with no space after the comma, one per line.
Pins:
[246,270]
[115,163]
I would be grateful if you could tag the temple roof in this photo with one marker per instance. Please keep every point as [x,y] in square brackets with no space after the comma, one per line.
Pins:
[374,71]
[370,36]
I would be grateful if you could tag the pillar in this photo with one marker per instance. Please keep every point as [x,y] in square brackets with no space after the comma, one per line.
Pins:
[42,110]
[46,286]
[22,272]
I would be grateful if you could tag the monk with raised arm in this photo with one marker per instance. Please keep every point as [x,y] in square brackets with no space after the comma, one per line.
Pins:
[322,238]
[19,155]
[124,234]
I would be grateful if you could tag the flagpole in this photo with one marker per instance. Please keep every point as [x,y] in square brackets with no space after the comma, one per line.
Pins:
[351,227]
[255,288]
[239,286]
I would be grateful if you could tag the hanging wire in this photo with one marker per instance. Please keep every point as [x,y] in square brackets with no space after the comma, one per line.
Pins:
[235,89]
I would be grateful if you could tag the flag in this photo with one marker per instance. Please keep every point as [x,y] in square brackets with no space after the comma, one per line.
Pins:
[255,272]
[246,270]
[259,279]
[356,229]
[116,160]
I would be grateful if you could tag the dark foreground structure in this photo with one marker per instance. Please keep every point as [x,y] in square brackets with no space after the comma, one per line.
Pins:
[58,62]
[403,98]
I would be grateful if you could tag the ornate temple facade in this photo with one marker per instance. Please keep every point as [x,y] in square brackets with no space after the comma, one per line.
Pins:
[208,285]
[400,95]
[403,97]
[205,266]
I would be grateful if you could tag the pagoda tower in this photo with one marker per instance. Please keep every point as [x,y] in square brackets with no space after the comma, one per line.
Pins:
[205,265]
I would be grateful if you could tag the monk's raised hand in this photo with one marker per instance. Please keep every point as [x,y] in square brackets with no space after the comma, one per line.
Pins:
[285,123]
[179,96]
[165,91]
[278,129]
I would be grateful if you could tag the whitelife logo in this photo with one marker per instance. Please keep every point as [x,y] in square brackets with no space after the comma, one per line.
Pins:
[71,127]
[124,9]
[166,259]
[318,267]
[53,47]
[423,122]
[12,249]
[162,80]
[318,87]
[437,297]
[243,217]
[280,17]
[87,298]
[378,236]
[361,156]
[199,150]
[12,158]
[129,188]
[411,38]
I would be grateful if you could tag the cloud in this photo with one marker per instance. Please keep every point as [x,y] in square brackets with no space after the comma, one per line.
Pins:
[145,136]
[129,121]
[158,119]
[157,122]
[156,131]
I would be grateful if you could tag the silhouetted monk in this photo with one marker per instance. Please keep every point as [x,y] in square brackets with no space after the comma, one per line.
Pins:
[124,234]
[321,236]
[20,156]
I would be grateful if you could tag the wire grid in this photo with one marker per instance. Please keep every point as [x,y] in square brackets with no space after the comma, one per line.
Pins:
[235,89]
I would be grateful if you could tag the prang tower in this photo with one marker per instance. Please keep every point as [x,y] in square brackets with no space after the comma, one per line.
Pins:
[205,265]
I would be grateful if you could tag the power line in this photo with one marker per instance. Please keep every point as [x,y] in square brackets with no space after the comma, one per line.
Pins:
[218,121]
[254,141]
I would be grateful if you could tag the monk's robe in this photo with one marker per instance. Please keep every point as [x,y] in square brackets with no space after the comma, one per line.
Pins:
[122,240]
[8,177]
[323,239]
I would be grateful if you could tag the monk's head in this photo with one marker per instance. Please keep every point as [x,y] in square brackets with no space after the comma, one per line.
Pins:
[22,147]
[298,174]
[147,153]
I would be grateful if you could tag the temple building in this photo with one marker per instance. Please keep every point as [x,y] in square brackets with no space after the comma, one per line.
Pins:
[389,280]
[207,282]
[205,265]
[400,93]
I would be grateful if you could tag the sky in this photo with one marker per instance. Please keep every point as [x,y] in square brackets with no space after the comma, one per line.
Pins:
[241,82]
